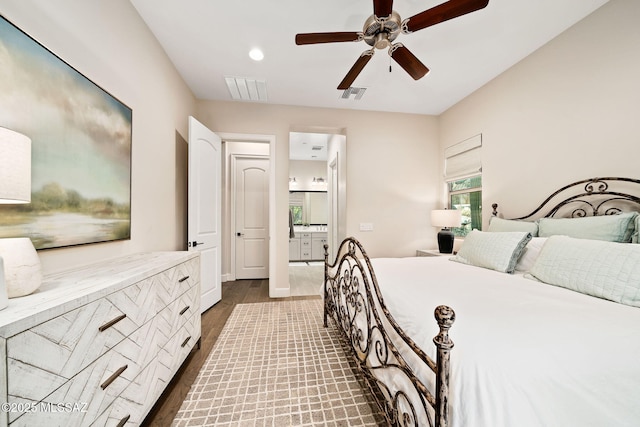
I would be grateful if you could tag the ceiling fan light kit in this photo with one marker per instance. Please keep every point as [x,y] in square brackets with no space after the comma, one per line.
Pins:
[383,27]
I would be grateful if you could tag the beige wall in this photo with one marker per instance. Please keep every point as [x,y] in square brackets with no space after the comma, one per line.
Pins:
[109,43]
[304,171]
[569,111]
[391,174]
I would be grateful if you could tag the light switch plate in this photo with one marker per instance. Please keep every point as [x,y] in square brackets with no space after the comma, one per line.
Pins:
[366,226]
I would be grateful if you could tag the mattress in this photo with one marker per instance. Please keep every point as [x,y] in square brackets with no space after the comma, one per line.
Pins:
[526,353]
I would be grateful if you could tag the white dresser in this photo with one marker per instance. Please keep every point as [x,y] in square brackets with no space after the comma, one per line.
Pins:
[98,345]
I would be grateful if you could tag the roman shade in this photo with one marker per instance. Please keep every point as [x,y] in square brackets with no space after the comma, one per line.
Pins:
[463,159]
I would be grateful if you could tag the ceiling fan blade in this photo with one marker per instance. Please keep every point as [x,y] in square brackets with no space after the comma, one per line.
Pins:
[443,12]
[382,8]
[408,61]
[313,38]
[355,70]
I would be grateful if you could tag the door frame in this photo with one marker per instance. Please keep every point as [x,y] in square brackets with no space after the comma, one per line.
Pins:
[232,207]
[334,202]
[274,292]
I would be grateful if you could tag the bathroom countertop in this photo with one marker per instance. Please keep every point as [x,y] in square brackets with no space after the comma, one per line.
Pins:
[310,229]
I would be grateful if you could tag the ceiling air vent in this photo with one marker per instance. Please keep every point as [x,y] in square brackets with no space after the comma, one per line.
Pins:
[357,93]
[317,148]
[247,89]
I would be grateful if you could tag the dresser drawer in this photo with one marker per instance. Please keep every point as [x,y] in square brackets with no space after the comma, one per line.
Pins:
[178,348]
[92,390]
[174,316]
[172,283]
[73,341]
[131,407]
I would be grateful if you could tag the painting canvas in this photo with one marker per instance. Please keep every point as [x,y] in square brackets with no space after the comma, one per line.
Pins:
[81,148]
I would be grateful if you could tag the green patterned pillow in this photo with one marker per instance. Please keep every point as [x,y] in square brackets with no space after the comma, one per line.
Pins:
[601,269]
[496,251]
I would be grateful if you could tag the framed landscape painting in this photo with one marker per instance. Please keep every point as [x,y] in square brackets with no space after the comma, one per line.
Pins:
[80,148]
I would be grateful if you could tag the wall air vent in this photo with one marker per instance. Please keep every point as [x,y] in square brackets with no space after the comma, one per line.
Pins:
[247,89]
[357,93]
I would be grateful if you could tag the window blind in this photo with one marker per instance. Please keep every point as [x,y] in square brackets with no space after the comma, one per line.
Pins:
[463,159]
[296,198]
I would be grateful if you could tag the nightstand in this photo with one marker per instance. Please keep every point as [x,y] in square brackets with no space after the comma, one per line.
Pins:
[430,252]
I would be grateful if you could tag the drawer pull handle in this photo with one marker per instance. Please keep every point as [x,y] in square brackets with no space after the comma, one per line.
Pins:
[111,323]
[184,310]
[183,279]
[123,421]
[185,342]
[113,377]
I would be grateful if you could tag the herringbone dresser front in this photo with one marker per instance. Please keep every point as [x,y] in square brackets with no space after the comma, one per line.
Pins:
[98,345]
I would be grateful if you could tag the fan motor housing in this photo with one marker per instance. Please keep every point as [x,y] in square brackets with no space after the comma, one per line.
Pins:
[380,32]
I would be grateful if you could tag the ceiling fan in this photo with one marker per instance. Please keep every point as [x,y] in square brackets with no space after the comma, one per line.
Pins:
[384,26]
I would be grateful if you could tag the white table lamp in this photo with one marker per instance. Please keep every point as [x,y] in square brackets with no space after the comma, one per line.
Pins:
[20,271]
[446,218]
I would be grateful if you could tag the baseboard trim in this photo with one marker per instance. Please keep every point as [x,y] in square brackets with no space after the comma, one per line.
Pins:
[279,292]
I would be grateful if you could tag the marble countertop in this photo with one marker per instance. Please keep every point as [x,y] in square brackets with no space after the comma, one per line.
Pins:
[65,291]
[310,228]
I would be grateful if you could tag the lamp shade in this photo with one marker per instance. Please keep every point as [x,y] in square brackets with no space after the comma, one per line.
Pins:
[15,171]
[446,218]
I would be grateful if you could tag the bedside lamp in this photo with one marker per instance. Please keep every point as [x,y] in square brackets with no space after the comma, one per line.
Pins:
[446,218]
[20,272]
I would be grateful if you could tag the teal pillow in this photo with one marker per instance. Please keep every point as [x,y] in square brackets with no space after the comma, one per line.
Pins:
[496,251]
[607,270]
[611,228]
[501,225]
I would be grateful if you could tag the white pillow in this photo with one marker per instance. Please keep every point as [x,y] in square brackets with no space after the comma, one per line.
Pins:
[530,254]
[496,251]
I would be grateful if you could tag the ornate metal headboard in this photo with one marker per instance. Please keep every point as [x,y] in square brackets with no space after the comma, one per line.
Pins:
[589,197]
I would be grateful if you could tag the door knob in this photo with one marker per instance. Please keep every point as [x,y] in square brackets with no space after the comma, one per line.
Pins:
[194,243]
[239,234]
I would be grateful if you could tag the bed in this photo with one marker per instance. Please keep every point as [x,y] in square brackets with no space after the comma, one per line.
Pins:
[546,326]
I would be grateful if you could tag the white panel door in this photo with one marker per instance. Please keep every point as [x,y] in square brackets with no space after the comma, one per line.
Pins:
[204,229]
[251,187]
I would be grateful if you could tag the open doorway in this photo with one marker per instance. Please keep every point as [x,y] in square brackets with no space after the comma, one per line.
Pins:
[313,206]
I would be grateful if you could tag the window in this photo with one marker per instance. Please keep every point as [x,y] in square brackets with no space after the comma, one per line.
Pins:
[463,175]
[296,210]
[466,195]
[296,201]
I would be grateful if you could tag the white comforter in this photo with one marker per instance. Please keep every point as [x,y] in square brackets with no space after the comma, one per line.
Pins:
[526,353]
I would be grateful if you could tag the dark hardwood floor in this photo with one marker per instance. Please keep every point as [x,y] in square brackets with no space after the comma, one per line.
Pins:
[213,320]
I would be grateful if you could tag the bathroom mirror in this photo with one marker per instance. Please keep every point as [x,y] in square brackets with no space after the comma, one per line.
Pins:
[309,207]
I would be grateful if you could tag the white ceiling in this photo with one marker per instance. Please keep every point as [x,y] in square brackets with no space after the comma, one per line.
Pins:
[308,146]
[209,40]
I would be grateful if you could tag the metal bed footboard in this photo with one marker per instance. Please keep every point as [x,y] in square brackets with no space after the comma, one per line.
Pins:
[392,365]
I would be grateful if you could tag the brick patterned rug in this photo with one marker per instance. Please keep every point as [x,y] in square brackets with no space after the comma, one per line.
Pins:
[274,364]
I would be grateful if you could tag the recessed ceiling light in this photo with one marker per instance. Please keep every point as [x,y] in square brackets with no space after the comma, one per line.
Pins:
[256,54]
